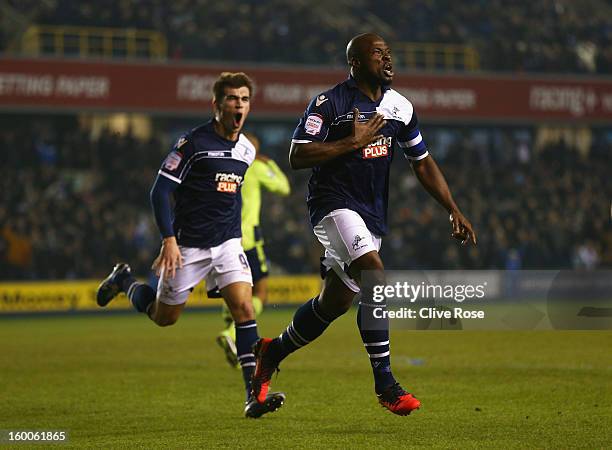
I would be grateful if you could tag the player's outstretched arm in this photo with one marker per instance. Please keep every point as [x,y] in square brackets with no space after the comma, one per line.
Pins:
[432,179]
[303,156]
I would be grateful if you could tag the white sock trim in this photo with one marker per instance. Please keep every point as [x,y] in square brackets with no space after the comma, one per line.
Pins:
[298,334]
[130,290]
[376,344]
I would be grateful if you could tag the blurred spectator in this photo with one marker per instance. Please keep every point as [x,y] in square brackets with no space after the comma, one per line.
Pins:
[17,245]
[586,256]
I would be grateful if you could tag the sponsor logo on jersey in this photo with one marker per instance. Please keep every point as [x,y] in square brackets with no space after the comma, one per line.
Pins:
[313,124]
[228,182]
[377,149]
[351,116]
[320,100]
[172,161]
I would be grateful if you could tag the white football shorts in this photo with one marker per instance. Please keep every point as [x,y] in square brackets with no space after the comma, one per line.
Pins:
[345,237]
[220,266]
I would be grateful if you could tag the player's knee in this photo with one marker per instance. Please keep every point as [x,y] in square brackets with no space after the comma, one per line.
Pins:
[165,321]
[371,262]
[335,307]
[243,311]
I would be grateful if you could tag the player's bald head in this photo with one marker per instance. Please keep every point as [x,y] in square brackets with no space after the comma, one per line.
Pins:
[359,45]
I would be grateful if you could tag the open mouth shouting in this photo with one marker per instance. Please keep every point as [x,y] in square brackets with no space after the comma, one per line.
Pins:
[388,70]
[237,120]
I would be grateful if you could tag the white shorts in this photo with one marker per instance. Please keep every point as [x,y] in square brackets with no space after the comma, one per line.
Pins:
[345,237]
[219,266]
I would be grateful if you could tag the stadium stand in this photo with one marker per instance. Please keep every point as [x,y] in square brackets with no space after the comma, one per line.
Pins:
[533,36]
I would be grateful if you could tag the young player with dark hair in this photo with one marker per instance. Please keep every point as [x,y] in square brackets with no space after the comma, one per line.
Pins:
[201,235]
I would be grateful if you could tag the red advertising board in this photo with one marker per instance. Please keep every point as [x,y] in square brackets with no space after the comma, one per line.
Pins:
[72,85]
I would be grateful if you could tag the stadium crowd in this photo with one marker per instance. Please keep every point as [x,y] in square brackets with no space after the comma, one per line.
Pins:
[69,203]
[536,35]
[72,205]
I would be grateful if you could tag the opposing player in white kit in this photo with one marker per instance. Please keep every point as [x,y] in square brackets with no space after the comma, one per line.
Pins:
[348,137]
[201,235]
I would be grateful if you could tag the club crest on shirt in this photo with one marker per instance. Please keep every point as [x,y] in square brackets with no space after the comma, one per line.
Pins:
[320,100]
[313,124]
[172,161]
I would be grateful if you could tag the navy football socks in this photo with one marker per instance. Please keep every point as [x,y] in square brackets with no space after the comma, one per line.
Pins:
[246,336]
[141,295]
[308,324]
[376,342]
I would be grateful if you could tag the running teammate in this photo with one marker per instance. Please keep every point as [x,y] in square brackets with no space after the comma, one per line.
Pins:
[201,234]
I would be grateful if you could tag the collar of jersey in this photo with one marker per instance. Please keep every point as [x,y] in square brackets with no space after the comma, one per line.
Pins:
[210,127]
[351,83]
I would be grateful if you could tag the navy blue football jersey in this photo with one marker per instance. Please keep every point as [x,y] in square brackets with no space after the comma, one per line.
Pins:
[210,171]
[358,180]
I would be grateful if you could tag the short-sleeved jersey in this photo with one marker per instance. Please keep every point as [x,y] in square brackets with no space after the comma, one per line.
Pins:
[209,170]
[358,180]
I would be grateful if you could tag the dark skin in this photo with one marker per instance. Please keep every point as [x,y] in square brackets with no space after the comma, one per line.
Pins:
[371,66]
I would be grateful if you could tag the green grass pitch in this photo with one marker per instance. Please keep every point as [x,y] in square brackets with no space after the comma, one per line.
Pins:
[118,381]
